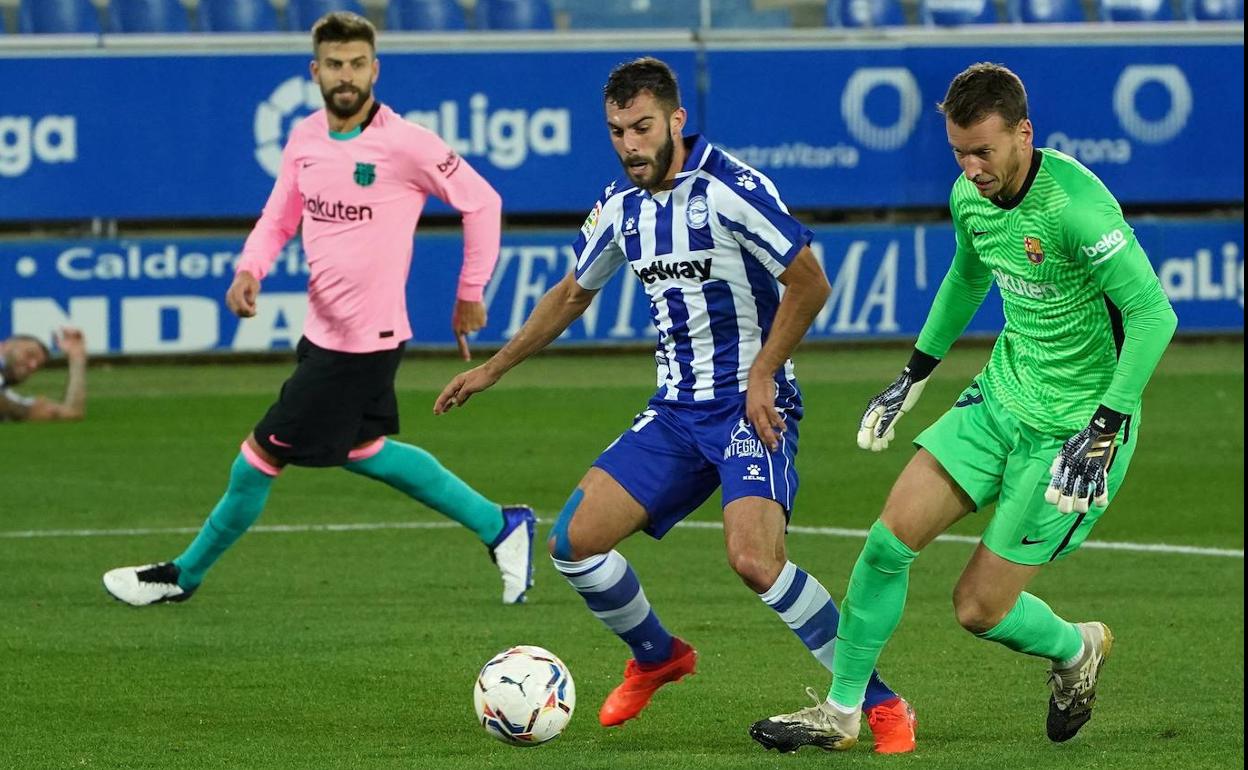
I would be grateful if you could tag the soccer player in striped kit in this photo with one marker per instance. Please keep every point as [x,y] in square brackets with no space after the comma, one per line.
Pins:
[708,237]
[1045,432]
[355,177]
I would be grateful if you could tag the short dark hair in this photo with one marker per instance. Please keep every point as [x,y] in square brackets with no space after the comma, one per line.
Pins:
[982,89]
[31,338]
[644,74]
[343,27]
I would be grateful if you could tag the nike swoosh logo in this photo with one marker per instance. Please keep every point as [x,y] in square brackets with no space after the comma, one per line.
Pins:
[978,233]
[274,440]
[1026,540]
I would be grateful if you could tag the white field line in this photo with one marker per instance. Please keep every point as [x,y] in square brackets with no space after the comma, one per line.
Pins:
[860,534]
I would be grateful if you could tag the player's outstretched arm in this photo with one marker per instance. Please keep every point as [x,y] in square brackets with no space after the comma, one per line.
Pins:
[555,312]
[877,427]
[74,405]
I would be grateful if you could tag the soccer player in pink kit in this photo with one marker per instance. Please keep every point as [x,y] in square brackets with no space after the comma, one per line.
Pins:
[355,176]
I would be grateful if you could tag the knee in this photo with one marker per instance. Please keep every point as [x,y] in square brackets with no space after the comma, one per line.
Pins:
[757,570]
[974,612]
[570,550]
[574,543]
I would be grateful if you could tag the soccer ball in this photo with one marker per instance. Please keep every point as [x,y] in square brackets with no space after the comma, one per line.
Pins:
[524,696]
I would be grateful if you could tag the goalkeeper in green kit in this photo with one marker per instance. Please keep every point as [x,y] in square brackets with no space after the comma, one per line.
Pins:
[1046,431]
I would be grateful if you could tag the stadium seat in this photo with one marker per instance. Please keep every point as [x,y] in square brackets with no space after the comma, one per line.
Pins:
[514,14]
[1136,10]
[425,15]
[952,13]
[865,13]
[302,14]
[58,16]
[1045,11]
[1213,10]
[237,16]
[147,16]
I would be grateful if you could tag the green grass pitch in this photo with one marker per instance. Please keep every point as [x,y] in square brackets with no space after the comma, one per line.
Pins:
[358,649]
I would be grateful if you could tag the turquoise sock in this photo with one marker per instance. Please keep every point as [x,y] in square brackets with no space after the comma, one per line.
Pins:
[419,475]
[237,510]
[1032,628]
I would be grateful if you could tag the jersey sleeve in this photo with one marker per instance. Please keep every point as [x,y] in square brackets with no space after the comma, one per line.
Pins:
[278,221]
[1097,235]
[749,206]
[597,247]
[960,294]
[13,405]
[440,171]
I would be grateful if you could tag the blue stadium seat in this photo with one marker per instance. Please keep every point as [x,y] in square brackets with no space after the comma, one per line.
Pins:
[514,14]
[58,16]
[629,14]
[237,16]
[425,15]
[953,13]
[147,16]
[1045,11]
[1136,10]
[865,13]
[302,14]
[1213,10]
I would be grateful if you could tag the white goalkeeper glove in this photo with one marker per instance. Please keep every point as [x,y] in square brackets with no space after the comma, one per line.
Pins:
[1081,466]
[876,429]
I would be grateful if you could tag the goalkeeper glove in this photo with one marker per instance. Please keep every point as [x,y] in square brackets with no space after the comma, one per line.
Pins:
[875,430]
[1079,470]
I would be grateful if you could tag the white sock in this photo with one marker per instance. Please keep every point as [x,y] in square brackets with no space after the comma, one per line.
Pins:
[1069,662]
[848,711]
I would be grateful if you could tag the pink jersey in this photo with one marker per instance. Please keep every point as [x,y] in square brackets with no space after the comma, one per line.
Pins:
[359,200]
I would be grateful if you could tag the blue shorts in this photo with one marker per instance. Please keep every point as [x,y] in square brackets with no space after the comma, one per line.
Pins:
[676,454]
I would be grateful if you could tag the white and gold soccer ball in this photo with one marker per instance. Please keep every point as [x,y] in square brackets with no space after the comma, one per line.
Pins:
[524,696]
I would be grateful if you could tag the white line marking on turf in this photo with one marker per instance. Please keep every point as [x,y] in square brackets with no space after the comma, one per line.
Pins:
[1099,545]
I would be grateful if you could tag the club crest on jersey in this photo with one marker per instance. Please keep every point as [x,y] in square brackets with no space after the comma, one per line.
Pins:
[1035,252]
[365,174]
[697,213]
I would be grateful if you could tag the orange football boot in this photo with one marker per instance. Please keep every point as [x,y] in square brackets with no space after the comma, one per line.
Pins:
[893,724]
[639,686]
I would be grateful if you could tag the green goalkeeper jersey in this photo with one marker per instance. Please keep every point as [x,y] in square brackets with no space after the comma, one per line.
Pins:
[1086,319]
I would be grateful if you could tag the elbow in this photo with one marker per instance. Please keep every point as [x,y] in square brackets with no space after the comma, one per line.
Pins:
[73,414]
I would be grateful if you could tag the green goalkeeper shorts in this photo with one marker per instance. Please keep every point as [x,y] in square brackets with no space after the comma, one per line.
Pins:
[996,457]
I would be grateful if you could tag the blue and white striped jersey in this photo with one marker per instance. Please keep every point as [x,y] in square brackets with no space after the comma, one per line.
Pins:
[707,252]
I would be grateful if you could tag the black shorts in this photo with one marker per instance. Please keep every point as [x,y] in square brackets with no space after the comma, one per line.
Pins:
[334,401]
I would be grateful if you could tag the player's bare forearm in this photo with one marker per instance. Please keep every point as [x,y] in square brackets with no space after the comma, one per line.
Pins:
[555,312]
[805,293]
[74,405]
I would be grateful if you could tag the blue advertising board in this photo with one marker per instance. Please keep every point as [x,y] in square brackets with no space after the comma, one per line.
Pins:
[150,295]
[200,136]
[860,128]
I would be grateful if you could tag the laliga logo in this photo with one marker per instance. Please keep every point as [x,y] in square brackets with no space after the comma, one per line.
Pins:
[1132,79]
[293,96]
[853,106]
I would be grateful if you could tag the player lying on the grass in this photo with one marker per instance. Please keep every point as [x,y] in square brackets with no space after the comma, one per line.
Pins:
[21,356]
[708,237]
[369,173]
[1046,431]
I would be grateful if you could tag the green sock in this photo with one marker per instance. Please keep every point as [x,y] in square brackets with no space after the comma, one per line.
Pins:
[1032,628]
[870,613]
[418,474]
[237,510]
